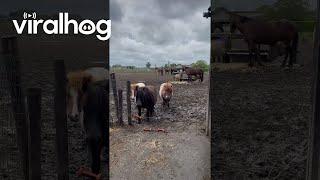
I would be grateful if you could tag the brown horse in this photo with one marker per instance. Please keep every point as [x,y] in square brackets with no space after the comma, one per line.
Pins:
[257,32]
[197,72]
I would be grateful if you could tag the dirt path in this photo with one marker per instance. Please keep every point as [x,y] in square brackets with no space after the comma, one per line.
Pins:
[182,153]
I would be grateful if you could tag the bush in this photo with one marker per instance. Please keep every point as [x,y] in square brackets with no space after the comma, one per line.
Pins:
[201,64]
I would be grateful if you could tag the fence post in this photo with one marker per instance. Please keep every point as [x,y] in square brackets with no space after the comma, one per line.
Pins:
[313,164]
[129,102]
[10,52]
[120,107]
[210,123]
[34,129]
[61,120]
[115,94]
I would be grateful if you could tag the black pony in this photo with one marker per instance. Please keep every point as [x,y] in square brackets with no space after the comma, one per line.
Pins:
[146,98]
[94,104]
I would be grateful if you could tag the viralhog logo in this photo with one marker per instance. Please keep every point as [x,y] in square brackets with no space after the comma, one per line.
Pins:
[61,26]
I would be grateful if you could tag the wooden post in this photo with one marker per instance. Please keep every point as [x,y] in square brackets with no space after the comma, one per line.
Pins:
[115,94]
[210,122]
[314,133]
[10,53]
[120,119]
[34,129]
[129,102]
[61,120]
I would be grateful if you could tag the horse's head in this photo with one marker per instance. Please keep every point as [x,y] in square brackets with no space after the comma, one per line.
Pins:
[77,83]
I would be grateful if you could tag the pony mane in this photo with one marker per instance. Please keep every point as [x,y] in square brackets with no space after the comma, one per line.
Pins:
[75,79]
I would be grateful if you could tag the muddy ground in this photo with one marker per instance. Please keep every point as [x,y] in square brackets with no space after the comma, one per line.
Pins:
[182,153]
[261,120]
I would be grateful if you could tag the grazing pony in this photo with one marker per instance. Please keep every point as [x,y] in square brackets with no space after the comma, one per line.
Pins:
[146,97]
[258,32]
[197,72]
[87,94]
[133,89]
[165,92]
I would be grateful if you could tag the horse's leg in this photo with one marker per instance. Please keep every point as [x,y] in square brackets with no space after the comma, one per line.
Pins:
[291,56]
[139,113]
[94,153]
[148,115]
[251,50]
[258,55]
[288,49]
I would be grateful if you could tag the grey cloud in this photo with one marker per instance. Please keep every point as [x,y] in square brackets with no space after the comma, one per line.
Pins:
[116,13]
[151,32]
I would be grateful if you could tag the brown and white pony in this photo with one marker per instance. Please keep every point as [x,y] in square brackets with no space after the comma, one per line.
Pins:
[87,101]
[165,93]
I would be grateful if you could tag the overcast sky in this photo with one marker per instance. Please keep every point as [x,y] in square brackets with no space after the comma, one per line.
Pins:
[159,31]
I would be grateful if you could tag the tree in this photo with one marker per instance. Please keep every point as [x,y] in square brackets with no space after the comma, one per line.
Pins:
[296,10]
[148,65]
[201,64]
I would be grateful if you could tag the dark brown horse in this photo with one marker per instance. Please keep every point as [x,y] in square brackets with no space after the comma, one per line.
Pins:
[197,72]
[257,32]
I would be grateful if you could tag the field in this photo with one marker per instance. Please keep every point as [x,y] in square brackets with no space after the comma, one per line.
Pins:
[182,153]
[261,119]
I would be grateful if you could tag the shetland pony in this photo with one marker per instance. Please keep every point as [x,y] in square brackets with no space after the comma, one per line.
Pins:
[165,92]
[146,97]
[87,102]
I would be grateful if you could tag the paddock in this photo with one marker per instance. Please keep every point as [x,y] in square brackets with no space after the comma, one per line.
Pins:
[181,153]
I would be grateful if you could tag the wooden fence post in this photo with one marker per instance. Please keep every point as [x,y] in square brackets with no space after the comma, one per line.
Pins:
[61,120]
[314,141]
[10,52]
[34,129]
[129,102]
[115,94]
[120,119]
[210,122]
